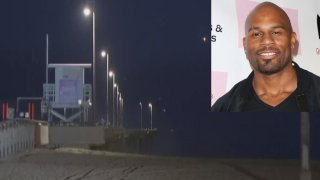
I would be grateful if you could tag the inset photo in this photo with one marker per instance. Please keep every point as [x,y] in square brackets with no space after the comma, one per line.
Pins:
[266,56]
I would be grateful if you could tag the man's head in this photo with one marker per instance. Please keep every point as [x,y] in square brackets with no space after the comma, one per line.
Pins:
[269,39]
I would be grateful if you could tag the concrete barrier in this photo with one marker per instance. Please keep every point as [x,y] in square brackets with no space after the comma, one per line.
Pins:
[84,137]
[128,140]
[41,134]
[15,137]
[44,134]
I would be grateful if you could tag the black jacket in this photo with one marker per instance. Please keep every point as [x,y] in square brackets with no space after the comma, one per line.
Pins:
[308,96]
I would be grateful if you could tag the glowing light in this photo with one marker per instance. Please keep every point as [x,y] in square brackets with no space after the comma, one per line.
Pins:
[86,11]
[103,54]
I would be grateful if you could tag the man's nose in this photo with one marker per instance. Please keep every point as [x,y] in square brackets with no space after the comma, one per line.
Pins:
[267,39]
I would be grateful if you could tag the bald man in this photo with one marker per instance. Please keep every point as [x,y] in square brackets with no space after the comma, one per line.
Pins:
[276,84]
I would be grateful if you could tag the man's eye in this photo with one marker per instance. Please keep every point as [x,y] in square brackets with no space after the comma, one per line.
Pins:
[276,33]
[256,34]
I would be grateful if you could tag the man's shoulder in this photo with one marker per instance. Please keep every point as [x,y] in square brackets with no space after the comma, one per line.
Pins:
[309,84]
[312,78]
[224,102]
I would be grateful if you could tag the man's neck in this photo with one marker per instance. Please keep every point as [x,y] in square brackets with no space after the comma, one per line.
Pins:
[273,89]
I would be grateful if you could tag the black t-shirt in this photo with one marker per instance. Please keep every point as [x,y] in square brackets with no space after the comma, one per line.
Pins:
[255,104]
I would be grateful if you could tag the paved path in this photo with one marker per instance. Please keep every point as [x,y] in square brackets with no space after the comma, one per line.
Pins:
[78,164]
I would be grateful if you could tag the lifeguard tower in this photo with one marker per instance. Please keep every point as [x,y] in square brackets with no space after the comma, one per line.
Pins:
[68,99]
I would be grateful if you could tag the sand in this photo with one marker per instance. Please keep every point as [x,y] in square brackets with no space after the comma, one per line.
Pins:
[76,164]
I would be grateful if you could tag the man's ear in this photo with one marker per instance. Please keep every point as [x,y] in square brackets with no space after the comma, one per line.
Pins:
[244,44]
[293,40]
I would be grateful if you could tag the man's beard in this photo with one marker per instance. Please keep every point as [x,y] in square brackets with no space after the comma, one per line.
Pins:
[268,68]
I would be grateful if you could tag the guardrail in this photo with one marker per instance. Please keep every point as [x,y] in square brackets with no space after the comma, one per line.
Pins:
[16,136]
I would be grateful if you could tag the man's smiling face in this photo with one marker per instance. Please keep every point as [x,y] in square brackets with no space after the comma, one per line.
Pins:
[269,39]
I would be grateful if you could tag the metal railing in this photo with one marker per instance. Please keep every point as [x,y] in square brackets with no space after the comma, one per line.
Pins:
[16,136]
[50,94]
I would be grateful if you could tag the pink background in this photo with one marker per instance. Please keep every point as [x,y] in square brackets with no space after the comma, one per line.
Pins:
[218,84]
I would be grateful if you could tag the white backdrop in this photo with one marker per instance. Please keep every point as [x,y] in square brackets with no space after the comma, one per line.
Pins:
[228,62]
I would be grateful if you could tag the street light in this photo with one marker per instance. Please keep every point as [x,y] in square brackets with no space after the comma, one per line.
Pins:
[111,74]
[116,105]
[113,101]
[87,11]
[103,55]
[204,39]
[81,109]
[122,113]
[140,104]
[119,111]
[150,105]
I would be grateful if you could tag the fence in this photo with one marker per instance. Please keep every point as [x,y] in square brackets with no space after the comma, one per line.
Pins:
[16,136]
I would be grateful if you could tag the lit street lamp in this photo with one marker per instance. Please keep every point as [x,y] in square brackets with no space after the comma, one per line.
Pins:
[87,11]
[116,105]
[103,55]
[80,104]
[120,111]
[204,39]
[111,74]
[150,105]
[140,104]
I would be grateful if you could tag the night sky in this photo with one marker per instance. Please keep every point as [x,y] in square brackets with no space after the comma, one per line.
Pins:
[158,55]
[155,47]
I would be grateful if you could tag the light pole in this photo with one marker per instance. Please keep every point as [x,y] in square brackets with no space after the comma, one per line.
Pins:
[120,111]
[119,108]
[140,104]
[87,12]
[116,105]
[111,74]
[81,109]
[113,104]
[150,105]
[103,55]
